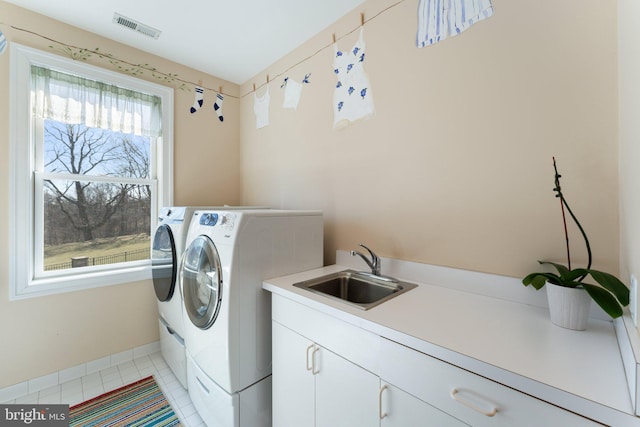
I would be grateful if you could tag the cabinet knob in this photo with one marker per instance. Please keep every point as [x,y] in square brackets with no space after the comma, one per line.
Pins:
[458,395]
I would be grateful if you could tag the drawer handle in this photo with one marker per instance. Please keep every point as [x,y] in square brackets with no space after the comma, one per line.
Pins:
[456,395]
[202,385]
[381,414]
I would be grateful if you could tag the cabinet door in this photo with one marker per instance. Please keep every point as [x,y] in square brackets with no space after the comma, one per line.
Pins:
[400,409]
[346,394]
[293,384]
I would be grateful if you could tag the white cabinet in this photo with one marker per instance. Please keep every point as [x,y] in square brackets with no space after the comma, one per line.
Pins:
[313,386]
[331,373]
[293,385]
[346,394]
[400,409]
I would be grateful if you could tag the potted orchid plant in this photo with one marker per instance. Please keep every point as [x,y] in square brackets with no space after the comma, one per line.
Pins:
[609,292]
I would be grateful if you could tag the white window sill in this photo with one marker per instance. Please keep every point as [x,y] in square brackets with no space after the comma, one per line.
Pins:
[76,282]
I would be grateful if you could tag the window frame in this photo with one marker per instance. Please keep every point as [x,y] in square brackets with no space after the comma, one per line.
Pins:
[23,230]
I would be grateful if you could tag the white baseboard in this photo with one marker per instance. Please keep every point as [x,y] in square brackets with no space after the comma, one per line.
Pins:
[40,383]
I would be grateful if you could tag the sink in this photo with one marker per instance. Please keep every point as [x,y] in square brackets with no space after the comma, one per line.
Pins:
[362,290]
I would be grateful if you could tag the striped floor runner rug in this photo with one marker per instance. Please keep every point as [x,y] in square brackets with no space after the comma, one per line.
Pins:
[140,404]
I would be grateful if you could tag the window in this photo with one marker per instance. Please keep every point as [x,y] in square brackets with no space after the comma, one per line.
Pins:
[91,153]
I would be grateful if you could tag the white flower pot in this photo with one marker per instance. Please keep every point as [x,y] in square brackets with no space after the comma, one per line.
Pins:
[568,307]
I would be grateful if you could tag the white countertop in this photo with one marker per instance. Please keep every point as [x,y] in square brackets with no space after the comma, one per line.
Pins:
[510,342]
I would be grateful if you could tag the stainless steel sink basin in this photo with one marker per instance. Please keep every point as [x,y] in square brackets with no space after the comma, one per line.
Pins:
[359,289]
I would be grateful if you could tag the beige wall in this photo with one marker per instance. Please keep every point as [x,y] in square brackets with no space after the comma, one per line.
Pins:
[455,168]
[629,106]
[46,334]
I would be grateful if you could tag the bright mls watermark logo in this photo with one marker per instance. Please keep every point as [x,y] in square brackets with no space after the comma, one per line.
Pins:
[34,415]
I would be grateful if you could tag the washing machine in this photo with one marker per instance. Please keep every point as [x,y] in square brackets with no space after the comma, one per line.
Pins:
[227,313]
[166,250]
[167,247]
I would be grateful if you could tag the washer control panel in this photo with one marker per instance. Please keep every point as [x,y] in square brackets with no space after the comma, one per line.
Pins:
[209,219]
[225,220]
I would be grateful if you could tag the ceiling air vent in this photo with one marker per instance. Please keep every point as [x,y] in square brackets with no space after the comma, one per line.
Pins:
[136,26]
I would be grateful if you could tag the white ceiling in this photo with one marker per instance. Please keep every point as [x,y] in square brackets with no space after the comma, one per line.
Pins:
[230,39]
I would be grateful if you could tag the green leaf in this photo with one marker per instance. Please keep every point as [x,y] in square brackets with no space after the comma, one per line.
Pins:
[538,280]
[576,273]
[612,284]
[563,270]
[604,299]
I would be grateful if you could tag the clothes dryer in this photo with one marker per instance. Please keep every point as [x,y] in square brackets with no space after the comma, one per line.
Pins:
[167,247]
[228,314]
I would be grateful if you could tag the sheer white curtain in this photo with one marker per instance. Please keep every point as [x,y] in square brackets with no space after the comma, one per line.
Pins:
[77,100]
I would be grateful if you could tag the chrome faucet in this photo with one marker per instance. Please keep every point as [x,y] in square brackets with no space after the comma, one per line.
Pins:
[373,263]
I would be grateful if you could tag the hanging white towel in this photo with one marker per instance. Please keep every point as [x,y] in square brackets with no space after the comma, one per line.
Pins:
[261,109]
[439,19]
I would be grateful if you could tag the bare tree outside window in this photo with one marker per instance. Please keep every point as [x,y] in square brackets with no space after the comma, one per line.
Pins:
[90,212]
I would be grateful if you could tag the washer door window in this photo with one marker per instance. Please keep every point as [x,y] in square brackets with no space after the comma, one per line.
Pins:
[201,277]
[164,263]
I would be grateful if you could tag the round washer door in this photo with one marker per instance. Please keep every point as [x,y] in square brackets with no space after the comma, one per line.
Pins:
[164,263]
[201,278]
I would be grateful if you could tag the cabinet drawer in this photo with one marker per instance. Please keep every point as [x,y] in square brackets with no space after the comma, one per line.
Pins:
[400,409]
[351,342]
[471,398]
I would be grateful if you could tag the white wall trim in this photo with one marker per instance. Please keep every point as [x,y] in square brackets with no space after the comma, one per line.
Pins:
[34,385]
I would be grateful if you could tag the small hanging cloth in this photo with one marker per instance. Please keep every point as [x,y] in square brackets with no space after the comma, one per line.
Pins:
[439,19]
[3,43]
[292,91]
[261,109]
[352,98]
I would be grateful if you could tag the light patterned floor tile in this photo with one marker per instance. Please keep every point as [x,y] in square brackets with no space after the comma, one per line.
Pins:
[76,387]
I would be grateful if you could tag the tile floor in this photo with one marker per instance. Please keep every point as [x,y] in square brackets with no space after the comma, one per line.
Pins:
[94,384]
